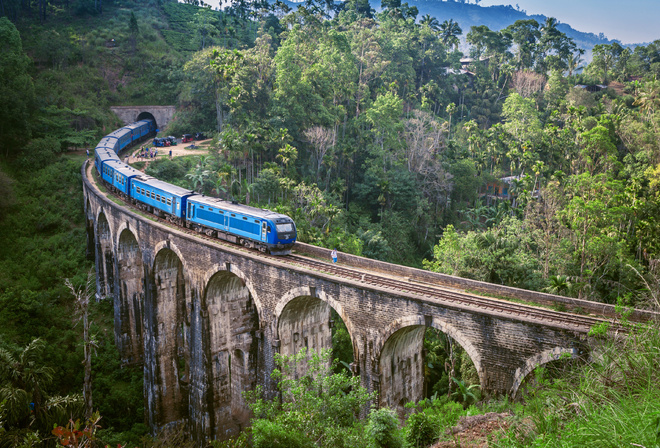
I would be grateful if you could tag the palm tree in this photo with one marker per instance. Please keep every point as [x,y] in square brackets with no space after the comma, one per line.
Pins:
[559,284]
[574,62]
[431,22]
[24,404]
[198,178]
[449,32]
[648,98]
[451,110]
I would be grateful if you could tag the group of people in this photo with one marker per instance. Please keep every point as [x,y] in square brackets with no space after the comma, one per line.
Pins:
[147,153]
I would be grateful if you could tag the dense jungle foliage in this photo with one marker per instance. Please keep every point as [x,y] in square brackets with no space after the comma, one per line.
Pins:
[518,166]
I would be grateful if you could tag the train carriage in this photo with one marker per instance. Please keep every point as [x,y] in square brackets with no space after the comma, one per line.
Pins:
[124,137]
[109,142]
[123,174]
[250,226]
[160,195]
[103,155]
[108,170]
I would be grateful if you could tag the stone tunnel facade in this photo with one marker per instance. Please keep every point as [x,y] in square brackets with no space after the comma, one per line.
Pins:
[130,114]
[206,319]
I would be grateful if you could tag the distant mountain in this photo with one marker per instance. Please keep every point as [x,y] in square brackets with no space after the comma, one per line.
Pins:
[495,18]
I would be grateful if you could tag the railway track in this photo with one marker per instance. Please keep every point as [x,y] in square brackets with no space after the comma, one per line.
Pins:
[430,292]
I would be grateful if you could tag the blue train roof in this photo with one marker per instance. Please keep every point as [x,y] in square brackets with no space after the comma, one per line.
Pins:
[108,141]
[119,132]
[239,208]
[105,154]
[164,186]
[126,170]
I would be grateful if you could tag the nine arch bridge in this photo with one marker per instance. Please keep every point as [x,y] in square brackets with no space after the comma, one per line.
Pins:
[205,318]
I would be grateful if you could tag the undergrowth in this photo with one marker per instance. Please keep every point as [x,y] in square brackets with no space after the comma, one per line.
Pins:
[612,401]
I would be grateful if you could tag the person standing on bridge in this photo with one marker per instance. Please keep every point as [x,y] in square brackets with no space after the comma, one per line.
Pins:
[333,254]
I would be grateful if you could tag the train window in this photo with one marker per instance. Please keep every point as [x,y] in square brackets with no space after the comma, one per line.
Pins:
[162,199]
[169,201]
[257,221]
[202,207]
[158,197]
[233,215]
[286,227]
[244,218]
[153,195]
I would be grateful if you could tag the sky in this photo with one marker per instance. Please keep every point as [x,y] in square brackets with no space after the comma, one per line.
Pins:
[630,21]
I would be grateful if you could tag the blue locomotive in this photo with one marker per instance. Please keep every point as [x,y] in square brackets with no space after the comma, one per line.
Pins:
[251,227]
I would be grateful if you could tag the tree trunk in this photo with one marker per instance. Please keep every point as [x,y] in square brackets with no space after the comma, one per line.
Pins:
[87,383]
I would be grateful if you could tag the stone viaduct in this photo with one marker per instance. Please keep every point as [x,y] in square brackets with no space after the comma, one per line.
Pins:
[206,318]
[130,114]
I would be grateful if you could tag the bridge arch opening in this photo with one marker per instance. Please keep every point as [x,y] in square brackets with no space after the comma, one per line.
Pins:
[231,348]
[147,116]
[129,300]
[104,257]
[171,335]
[548,365]
[89,226]
[307,322]
[419,361]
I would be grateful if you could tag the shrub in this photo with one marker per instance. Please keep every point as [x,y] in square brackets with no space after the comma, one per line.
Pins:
[268,434]
[383,429]
[421,430]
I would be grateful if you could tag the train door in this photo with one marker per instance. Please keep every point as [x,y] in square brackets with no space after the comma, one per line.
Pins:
[263,230]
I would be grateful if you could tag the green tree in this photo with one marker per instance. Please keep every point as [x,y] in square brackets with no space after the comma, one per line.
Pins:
[27,408]
[16,89]
[133,31]
[320,409]
[383,429]
[525,34]
[449,32]
[225,65]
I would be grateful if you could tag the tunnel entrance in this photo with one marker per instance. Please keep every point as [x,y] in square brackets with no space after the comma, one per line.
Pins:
[147,116]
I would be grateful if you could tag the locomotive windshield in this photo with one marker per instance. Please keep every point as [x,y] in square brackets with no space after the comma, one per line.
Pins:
[285,227]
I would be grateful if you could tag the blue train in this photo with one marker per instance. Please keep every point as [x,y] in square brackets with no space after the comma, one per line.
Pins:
[251,227]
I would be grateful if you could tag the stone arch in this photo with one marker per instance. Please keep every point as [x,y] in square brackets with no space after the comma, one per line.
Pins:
[538,360]
[167,244]
[231,344]
[400,361]
[230,267]
[169,373]
[146,116]
[104,256]
[303,319]
[311,291]
[90,225]
[129,299]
